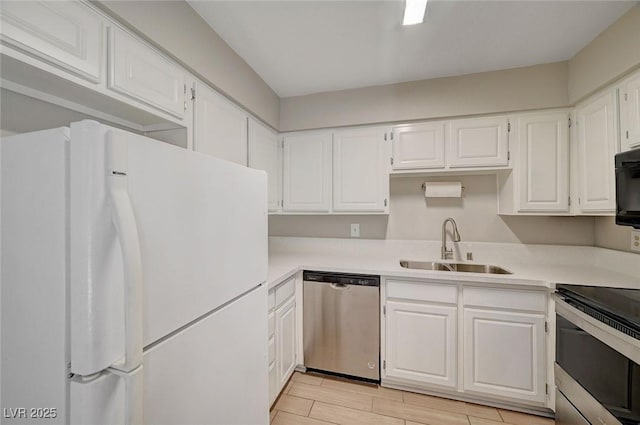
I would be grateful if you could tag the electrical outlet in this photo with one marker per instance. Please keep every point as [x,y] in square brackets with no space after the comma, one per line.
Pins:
[355,230]
[635,240]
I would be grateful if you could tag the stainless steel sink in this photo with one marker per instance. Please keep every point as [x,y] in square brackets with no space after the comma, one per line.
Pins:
[453,267]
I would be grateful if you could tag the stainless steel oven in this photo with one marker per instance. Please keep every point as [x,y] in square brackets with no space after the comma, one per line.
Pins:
[597,354]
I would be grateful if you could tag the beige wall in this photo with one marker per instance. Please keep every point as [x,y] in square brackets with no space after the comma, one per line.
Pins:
[539,86]
[413,217]
[610,235]
[611,54]
[176,28]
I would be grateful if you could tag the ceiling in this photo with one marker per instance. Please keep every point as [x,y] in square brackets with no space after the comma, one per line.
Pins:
[308,46]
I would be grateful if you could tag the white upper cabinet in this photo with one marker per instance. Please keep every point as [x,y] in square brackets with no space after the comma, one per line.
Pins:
[67,34]
[137,71]
[543,163]
[479,142]
[307,172]
[597,144]
[220,126]
[264,154]
[361,170]
[630,112]
[419,146]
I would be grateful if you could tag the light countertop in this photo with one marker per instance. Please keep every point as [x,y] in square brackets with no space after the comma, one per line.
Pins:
[531,265]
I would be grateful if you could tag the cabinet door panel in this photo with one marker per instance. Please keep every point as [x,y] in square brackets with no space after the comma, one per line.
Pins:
[421,342]
[307,172]
[141,73]
[220,126]
[264,154]
[630,112]
[285,341]
[360,171]
[544,162]
[504,354]
[597,145]
[419,146]
[479,142]
[65,33]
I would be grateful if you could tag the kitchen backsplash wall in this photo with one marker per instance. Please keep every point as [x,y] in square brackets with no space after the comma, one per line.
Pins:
[610,235]
[414,217]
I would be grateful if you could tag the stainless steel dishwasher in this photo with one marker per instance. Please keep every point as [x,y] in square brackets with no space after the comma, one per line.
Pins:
[341,324]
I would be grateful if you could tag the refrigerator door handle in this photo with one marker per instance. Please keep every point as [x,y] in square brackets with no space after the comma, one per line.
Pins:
[124,220]
[133,389]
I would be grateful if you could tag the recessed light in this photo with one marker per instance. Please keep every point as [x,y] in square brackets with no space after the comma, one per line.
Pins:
[414,12]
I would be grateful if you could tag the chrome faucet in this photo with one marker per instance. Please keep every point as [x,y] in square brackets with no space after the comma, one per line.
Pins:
[447,254]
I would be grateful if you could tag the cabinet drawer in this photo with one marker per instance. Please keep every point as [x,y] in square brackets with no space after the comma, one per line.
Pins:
[271,300]
[422,291]
[272,350]
[285,290]
[505,298]
[65,33]
[141,73]
[272,323]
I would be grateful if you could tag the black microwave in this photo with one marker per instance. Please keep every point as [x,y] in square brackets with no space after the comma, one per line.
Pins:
[628,188]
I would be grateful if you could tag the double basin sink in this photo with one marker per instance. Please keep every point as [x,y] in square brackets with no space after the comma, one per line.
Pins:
[453,267]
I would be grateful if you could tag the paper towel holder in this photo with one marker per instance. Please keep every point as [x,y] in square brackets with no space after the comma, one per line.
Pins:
[424,187]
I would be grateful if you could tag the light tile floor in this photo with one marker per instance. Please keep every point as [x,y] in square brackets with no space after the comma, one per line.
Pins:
[311,399]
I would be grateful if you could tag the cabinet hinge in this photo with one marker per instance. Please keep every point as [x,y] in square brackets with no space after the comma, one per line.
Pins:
[384,365]
[508,127]
[384,310]
[569,122]
[627,134]
[625,97]
[546,327]
[282,144]
[391,160]
[385,202]
[569,200]
[391,135]
[546,388]
[193,93]
[508,155]
[385,137]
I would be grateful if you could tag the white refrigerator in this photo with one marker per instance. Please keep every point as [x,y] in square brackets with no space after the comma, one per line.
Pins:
[133,282]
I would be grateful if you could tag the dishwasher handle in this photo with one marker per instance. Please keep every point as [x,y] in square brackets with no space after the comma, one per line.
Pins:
[341,279]
[339,286]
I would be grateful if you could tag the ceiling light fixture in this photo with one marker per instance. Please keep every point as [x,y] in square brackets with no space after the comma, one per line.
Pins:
[414,12]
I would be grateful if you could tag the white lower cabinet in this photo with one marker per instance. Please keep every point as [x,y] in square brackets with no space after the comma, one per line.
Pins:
[286,340]
[504,354]
[282,336]
[482,342]
[421,342]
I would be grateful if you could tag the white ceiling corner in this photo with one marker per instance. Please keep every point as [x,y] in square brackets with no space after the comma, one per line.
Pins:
[307,46]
